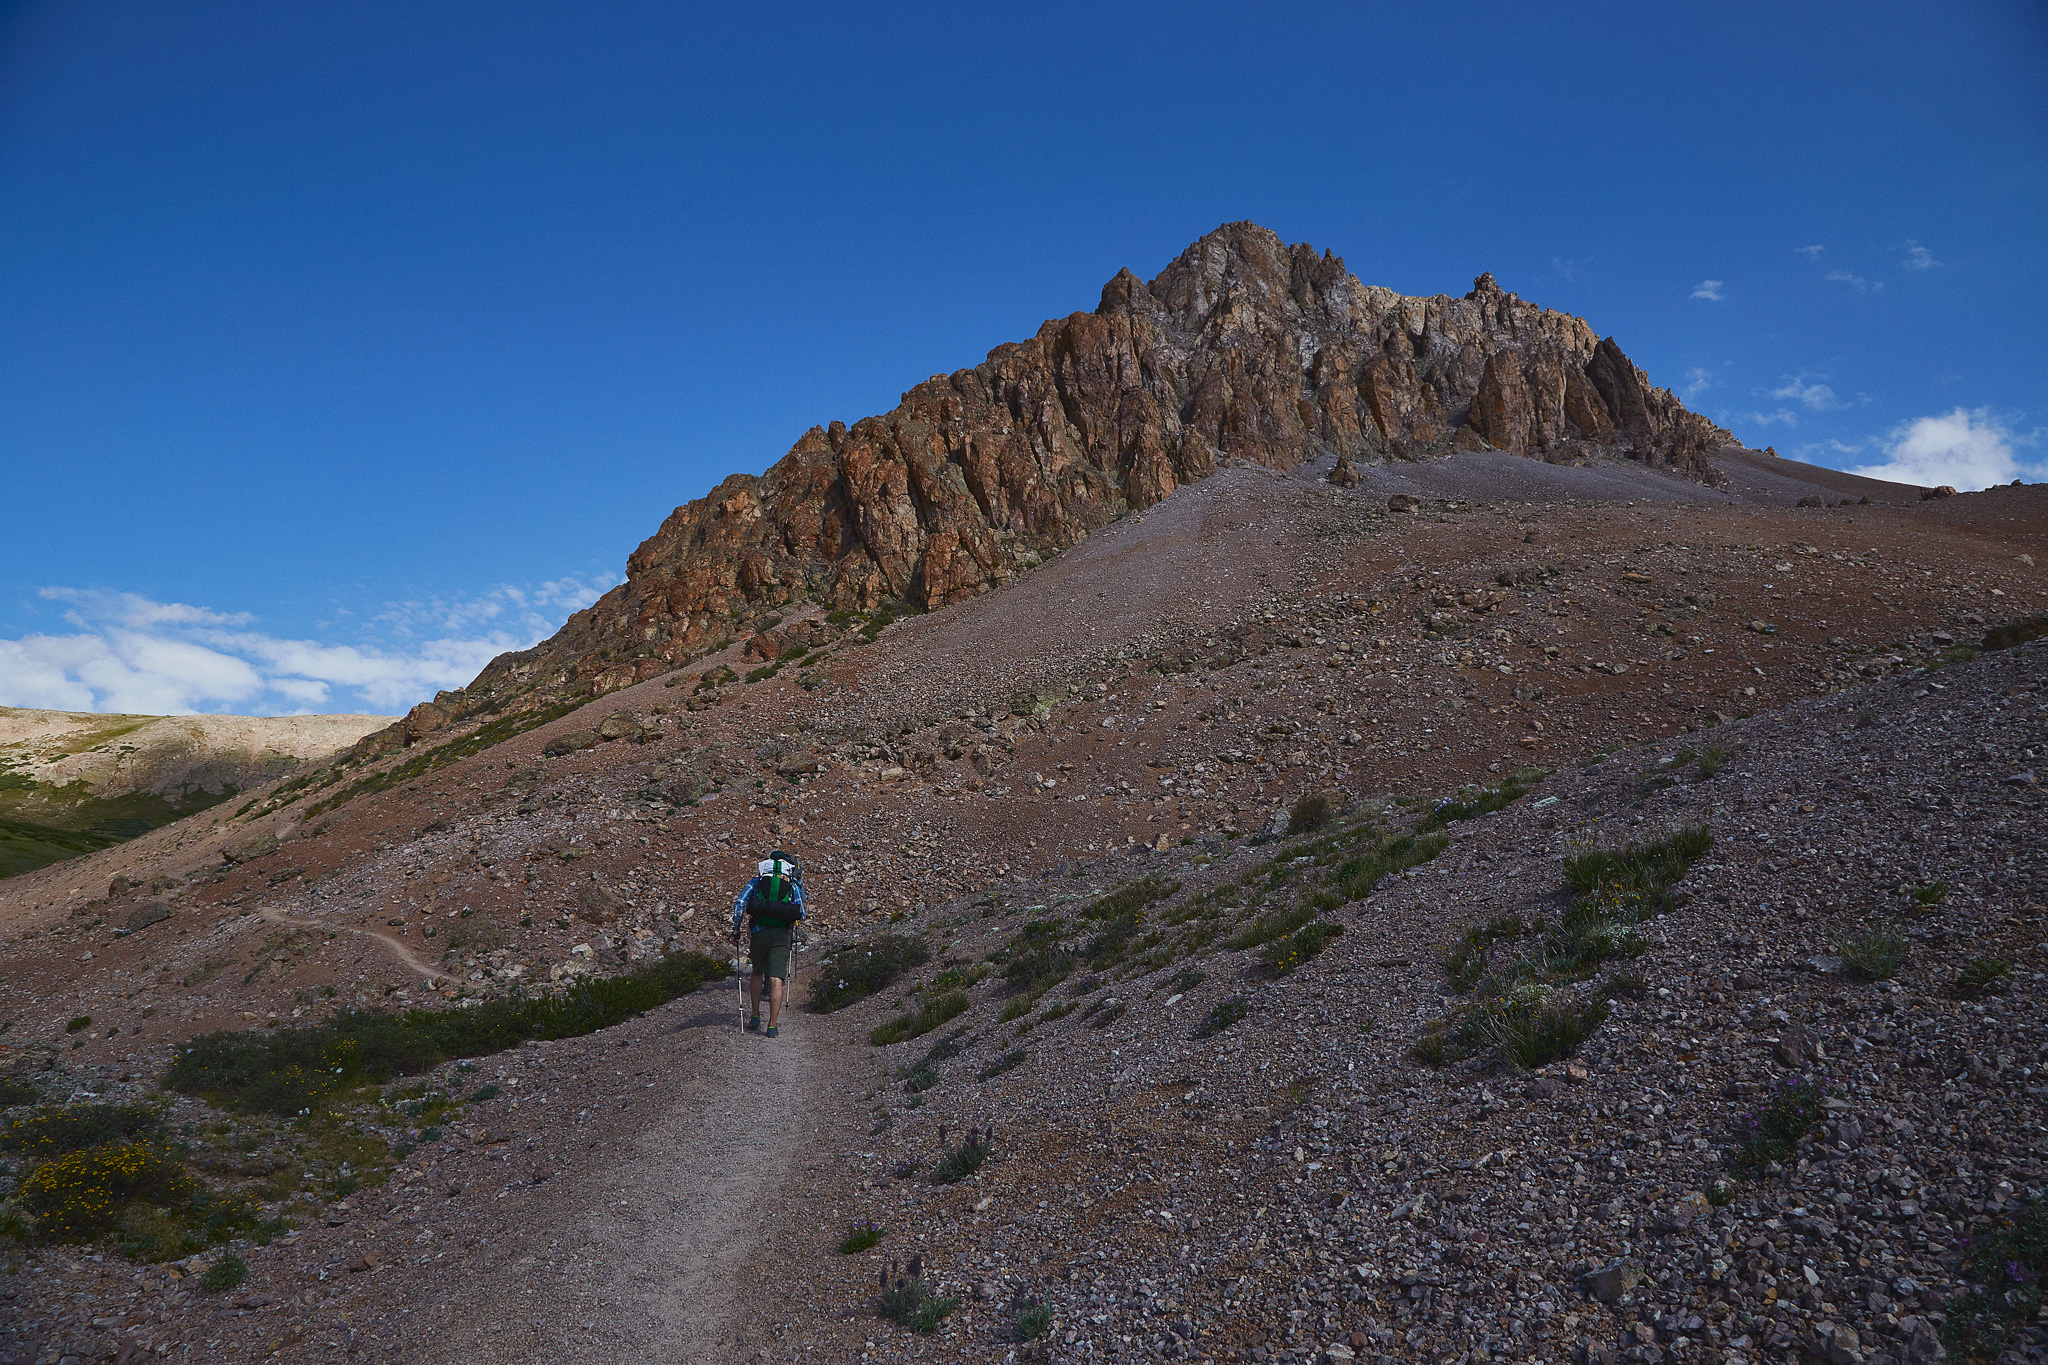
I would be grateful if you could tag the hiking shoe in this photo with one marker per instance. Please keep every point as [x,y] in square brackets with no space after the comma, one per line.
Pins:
[772,1030]
[753,1023]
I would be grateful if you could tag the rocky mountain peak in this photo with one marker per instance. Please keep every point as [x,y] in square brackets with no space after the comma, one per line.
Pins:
[1244,349]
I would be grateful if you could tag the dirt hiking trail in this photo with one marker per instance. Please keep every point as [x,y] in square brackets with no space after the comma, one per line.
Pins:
[646,1256]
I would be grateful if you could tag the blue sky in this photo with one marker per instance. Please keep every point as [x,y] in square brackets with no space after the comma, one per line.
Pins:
[345,344]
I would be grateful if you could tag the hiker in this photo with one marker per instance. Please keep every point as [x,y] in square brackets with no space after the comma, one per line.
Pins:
[774,902]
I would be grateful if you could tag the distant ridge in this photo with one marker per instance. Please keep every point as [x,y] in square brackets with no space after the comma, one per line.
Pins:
[1244,349]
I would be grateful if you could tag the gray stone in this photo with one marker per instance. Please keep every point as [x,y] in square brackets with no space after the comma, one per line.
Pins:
[1610,1282]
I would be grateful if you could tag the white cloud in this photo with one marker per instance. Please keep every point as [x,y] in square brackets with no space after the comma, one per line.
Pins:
[1918,257]
[1765,419]
[126,652]
[1818,397]
[1966,449]
[1697,381]
[1809,252]
[1709,290]
[1862,286]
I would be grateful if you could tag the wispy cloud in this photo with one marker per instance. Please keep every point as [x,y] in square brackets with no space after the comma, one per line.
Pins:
[1966,449]
[1861,285]
[1698,380]
[1782,417]
[1918,257]
[1809,252]
[1818,397]
[1820,452]
[1709,290]
[127,652]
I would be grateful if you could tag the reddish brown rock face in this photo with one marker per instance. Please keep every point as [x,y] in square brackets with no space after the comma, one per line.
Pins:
[1244,349]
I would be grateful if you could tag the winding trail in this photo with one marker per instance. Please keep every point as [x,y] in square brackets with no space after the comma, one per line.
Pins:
[404,954]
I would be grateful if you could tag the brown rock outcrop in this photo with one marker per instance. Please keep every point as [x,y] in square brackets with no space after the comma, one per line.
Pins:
[1243,349]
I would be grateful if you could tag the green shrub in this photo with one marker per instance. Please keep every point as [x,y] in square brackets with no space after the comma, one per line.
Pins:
[1875,955]
[284,1071]
[1475,801]
[859,970]
[959,978]
[1983,976]
[83,1021]
[1357,877]
[1284,955]
[2004,1259]
[958,1163]
[1310,814]
[79,1196]
[1934,893]
[1035,959]
[1105,1012]
[52,1130]
[1222,1015]
[922,1020]
[1712,760]
[13,1092]
[860,1235]
[912,1305]
[1770,1131]
[1003,1063]
[225,1273]
[1537,1027]
[1270,927]
[1032,1320]
[1131,897]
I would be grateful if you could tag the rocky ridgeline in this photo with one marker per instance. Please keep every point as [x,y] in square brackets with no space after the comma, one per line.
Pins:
[1244,349]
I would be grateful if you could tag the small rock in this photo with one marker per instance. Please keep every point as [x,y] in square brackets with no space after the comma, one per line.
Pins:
[1404,502]
[1543,1087]
[1610,1282]
[1796,1046]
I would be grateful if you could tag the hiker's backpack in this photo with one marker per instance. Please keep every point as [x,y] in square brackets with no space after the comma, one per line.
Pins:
[775,889]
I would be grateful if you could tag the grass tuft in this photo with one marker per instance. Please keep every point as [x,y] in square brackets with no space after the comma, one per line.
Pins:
[958,1163]
[1222,1015]
[860,1235]
[1983,976]
[862,969]
[224,1274]
[910,1304]
[2004,1259]
[1875,955]
[920,1021]
[1770,1131]
[289,1070]
[1033,1319]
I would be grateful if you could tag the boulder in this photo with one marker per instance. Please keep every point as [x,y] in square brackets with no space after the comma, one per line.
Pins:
[600,904]
[1345,475]
[621,725]
[425,719]
[1404,502]
[146,914]
[571,742]
[250,847]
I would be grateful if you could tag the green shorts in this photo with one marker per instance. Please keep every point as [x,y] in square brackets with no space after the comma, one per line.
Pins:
[769,951]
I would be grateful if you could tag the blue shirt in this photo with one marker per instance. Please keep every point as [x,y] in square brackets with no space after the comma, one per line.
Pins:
[739,907]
